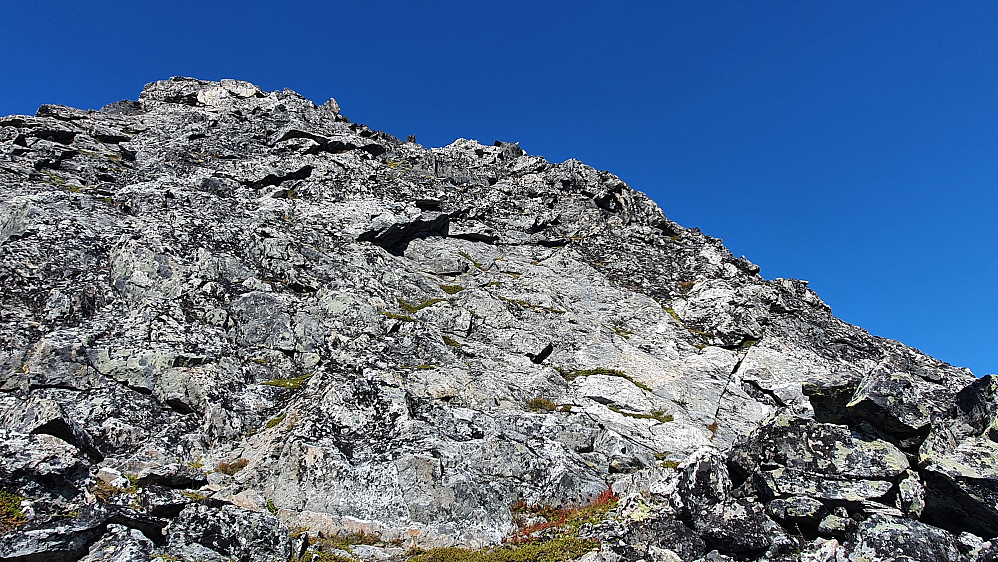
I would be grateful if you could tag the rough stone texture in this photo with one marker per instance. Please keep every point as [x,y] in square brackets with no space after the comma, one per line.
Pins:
[668,535]
[904,540]
[121,544]
[703,483]
[798,511]
[962,489]
[892,402]
[738,527]
[69,537]
[792,456]
[221,303]
[211,533]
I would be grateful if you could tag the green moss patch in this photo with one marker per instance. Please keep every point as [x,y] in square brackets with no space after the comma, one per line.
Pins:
[291,384]
[534,307]
[10,511]
[395,316]
[233,467]
[626,334]
[466,256]
[541,405]
[555,539]
[555,550]
[673,314]
[657,415]
[349,540]
[572,375]
[413,308]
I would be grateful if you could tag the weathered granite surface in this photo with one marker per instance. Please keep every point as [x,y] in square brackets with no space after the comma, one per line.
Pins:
[232,315]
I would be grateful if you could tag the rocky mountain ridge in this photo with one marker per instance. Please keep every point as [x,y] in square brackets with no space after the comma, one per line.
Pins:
[237,325]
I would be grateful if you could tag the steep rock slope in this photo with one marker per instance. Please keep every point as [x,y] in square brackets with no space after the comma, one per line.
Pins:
[228,313]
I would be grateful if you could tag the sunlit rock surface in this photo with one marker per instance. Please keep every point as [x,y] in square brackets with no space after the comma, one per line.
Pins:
[233,320]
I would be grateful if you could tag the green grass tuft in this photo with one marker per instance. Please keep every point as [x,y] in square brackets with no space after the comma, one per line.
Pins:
[451,289]
[413,308]
[658,415]
[291,384]
[572,375]
[10,511]
[348,540]
[231,468]
[394,316]
[673,314]
[540,404]
[534,307]
[560,549]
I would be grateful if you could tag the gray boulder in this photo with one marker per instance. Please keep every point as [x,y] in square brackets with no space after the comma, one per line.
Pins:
[791,456]
[211,533]
[739,527]
[961,488]
[889,538]
[703,483]
[69,538]
[891,402]
[121,544]
[42,415]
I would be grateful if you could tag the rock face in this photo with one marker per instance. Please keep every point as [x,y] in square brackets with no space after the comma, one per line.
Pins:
[233,320]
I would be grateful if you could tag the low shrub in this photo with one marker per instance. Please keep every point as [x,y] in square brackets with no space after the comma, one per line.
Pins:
[10,511]
[233,467]
[540,404]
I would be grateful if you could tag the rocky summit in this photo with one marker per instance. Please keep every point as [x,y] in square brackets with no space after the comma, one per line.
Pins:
[238,326]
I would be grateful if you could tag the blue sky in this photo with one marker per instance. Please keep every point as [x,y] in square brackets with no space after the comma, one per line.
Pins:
[852,144]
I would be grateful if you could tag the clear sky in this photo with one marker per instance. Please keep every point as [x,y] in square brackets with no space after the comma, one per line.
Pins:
[852,144]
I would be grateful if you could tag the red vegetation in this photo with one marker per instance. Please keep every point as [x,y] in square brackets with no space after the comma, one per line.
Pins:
[555,518]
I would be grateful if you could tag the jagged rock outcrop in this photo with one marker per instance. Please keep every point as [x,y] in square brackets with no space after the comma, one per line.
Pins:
[234,320]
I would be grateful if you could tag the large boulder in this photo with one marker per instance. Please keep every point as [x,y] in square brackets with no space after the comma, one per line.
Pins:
[703,483]
[220,532]
[893,402]
[798,457]
[961,488]
[46,416]
[667,534]
[41,466]
[70,538]
[740,527]
[902,540]
[121,544]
